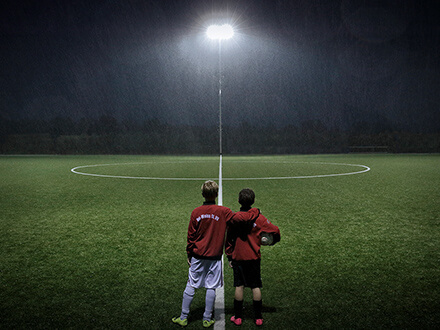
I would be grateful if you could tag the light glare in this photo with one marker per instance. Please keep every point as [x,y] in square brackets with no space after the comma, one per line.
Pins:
[220,32]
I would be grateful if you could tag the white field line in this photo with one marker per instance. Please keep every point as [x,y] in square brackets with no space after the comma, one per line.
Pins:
[220,181]
[219,306]
[76,171]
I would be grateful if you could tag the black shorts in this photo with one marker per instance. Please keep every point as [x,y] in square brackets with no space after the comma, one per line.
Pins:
[247,273]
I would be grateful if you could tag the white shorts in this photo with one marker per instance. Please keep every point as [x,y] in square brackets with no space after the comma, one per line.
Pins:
[205,273]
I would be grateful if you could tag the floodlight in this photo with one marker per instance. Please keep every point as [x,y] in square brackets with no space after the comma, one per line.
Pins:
[220,32]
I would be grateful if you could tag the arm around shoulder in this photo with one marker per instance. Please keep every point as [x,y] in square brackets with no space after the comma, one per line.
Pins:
[250,215]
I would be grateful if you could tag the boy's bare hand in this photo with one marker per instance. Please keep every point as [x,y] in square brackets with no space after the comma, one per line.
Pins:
[230,264]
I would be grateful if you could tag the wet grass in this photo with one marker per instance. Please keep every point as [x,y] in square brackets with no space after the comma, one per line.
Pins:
[357,251]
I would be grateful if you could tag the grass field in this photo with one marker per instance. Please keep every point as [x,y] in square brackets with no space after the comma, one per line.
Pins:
[356,251]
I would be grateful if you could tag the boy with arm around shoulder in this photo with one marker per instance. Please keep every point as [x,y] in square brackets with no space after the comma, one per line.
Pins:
[243,251]
[205,242]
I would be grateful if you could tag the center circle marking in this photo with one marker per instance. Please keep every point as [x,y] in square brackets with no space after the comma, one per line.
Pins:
[364,169]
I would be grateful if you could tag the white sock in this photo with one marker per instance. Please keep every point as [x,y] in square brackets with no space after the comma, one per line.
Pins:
[209,304]
[188,296]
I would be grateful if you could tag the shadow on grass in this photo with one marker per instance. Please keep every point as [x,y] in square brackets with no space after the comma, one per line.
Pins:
[248,310]
[196,314]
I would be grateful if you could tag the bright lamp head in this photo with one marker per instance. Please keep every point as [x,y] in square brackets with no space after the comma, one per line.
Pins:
[220,32]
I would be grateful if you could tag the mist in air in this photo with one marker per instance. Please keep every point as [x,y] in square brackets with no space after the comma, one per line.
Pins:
[95,67]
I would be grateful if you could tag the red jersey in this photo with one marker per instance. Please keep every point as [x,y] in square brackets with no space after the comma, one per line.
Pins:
[207,228]
[244,239]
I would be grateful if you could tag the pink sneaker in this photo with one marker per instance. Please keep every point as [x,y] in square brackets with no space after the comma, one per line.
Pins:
[259,322]
[236,321]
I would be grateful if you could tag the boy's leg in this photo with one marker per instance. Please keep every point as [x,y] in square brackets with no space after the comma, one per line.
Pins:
[239,292]
[209,304]
[258,304]
[238,302]
[213,279]
[188,296]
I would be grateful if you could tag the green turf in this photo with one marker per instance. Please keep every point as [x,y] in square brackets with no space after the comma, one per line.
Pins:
[358,251]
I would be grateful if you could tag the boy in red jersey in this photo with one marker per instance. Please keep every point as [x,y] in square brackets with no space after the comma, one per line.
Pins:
[205,242]
[243,251]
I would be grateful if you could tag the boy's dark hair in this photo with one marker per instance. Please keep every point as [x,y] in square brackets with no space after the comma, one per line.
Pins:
[246,197]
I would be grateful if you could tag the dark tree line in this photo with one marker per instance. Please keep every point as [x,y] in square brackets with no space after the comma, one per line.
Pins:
[107,135]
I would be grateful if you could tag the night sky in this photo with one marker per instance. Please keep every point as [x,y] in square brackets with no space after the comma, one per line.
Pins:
[337,61]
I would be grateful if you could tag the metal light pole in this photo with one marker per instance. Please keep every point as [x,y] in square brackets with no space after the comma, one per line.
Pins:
[220,127]
[220,32]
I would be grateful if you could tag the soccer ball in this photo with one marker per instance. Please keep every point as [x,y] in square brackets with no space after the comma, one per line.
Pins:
[266,239]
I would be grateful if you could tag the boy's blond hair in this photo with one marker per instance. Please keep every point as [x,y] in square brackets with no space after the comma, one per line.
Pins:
[210,190]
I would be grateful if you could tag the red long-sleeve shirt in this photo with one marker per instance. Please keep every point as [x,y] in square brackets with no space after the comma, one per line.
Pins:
[244,240]
[207,228]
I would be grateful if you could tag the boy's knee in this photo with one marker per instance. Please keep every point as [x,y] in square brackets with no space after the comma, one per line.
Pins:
[189,290]
[256,292]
